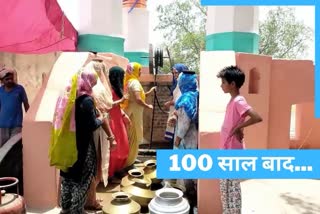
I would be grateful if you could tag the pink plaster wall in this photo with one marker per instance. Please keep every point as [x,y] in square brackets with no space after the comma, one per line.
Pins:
[257,136]
[281,84]
[208,190]
[292,83]
[308,128]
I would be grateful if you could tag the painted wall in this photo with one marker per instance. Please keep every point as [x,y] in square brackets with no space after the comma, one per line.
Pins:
[307,127]
[30,69]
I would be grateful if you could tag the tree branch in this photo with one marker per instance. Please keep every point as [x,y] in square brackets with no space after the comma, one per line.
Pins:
[290,48]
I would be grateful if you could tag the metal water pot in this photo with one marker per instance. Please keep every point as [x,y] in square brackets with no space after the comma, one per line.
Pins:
[169,200]
[122,203]
[138,186]
[11,203]
[150,171]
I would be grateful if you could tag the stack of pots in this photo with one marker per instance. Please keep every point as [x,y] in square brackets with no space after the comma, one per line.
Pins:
[138,186]
[138,196]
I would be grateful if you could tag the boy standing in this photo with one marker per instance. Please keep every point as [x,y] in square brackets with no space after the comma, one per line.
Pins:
[232,78]
[12,96]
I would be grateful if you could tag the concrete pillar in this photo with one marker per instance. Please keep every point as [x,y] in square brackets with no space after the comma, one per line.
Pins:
[99,24]
[136,31]
[232,28]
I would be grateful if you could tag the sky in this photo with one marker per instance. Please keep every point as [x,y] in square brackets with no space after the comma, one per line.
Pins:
[305,14]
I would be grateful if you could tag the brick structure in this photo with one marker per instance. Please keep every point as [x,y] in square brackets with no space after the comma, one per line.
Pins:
[160,115]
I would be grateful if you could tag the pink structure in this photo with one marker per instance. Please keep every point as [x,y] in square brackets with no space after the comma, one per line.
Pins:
[272,86]
[41,180]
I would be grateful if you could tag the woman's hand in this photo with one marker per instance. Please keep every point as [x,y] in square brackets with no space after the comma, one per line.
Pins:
[126,120]
[125,97]
[151,90]
[100,116]
[177,142]
[112,143]
[172,121]
[149,106]
[168,104]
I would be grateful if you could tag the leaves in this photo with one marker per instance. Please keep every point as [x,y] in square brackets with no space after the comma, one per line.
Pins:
[282,36]
[183,25]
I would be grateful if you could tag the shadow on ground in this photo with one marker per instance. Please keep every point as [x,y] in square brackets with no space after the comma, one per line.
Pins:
[301,203]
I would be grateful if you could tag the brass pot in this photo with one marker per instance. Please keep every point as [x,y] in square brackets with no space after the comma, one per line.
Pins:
[150,171]
[122,203]
[138,187]
[133,175]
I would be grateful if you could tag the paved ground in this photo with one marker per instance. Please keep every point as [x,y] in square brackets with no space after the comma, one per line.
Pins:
[267,197]
[281,196]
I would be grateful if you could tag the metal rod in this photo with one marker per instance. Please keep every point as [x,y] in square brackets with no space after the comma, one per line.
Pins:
[153,110]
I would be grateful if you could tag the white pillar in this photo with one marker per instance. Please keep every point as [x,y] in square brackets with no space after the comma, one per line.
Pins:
[98,22]
[233,28]
[136,32]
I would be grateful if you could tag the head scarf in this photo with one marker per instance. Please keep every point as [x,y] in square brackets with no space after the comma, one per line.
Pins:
[101,91]
[63,149]
[116,77]
[87,80]
[188,86]
[179,67]
[5,71]
[132,73]
[80,84]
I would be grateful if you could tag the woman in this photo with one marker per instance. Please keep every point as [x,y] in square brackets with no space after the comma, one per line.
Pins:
[134,107]
[118,122]
[76,181]
[186,129]
[187,112]
[175,93]
[103,136]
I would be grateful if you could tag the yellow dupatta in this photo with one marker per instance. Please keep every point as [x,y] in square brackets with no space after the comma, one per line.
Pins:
[132,73]
[63,151]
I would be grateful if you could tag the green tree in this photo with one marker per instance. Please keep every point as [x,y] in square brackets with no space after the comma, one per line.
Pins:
[182,24]
[283,36]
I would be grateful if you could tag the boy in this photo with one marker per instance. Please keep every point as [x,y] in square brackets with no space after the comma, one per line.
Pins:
[232,78]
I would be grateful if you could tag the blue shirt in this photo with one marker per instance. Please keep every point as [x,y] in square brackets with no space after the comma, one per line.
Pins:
[11,106]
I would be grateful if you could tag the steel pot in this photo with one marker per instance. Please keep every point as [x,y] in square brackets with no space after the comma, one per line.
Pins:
[169,200]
